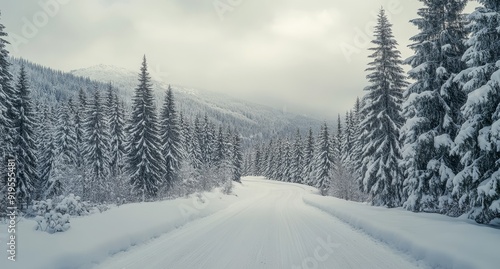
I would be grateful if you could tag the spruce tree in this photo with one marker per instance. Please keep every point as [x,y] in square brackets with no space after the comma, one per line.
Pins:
[66,137]
[170,139]
[257,164]
[286,161]
[382,152]
[7,99]
[219,155]
[476,188]
[116,123]
[24,143]
[144,156]
[297,159]
[50,185]
[97,150]
[323,160]
[308,165]
[237,158]
[432,105]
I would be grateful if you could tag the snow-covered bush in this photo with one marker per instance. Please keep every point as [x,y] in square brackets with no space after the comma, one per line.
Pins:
[72,205]
[53,222]
[53,215]
[49,219]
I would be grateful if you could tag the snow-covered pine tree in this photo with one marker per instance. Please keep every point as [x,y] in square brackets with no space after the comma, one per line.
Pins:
[79,117]
[66,136]
[237,158]
[286,161]
[323,160]
[116,123]
[207,141]
[382,152]
[97,150]
[219,154]
[144,157]
[256,169]
[170,139]
[477,186]
[336,141]
[432,105]
[308,164]
[7,99]
[185,134]
[357,146]
[196,155]
[50,186]
[277,168]
[297,159]
[270,160]
[24,143]
[348,139]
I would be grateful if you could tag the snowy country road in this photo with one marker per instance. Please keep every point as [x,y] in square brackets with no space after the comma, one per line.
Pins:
[271,228]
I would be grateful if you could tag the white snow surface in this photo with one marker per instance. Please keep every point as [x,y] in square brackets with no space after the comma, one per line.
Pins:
[264,224]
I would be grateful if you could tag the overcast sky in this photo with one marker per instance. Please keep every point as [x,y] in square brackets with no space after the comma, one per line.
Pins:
[301,55]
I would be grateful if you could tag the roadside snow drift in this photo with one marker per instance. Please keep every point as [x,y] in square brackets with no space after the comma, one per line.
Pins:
[437,240]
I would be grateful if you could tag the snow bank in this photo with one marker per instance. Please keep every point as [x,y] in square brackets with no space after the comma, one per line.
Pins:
[435,239]
[93,238]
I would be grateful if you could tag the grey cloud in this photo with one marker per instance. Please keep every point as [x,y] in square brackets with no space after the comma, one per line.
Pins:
[285,53]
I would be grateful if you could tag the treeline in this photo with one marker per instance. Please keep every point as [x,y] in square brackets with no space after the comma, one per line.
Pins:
[431,146]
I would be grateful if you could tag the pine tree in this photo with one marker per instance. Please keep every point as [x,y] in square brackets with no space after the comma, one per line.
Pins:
[297,159]
[7,99]
[432,105]
[381,154]
[237,158]
[24,143]
[477,186]
[97,150]
[66,137]
[257,164]
[170,139]
[286,161]
[50,186]
[323,160]
[308,165]
[185,136]
[277,168]
[144,158]
[270,160]
[207,142]
[116,123]
[219,155]
[80,136]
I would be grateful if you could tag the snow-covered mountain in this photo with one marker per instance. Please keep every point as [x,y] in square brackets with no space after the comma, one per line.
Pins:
[251,119]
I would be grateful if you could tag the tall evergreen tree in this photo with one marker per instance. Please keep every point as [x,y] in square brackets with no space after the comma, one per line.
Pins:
[7,99]
[257,162]
[116,123]
[65,136]
[219,155]
[297,159]
[24,142]
[323,160]
[170,139]
[382,152]
[50,185]
[432,105]
[308,166]
[144,158]
[237,158]
[476,187]
[97,150]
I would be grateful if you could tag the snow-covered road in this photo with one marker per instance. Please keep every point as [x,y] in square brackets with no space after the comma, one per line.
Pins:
[269,227]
